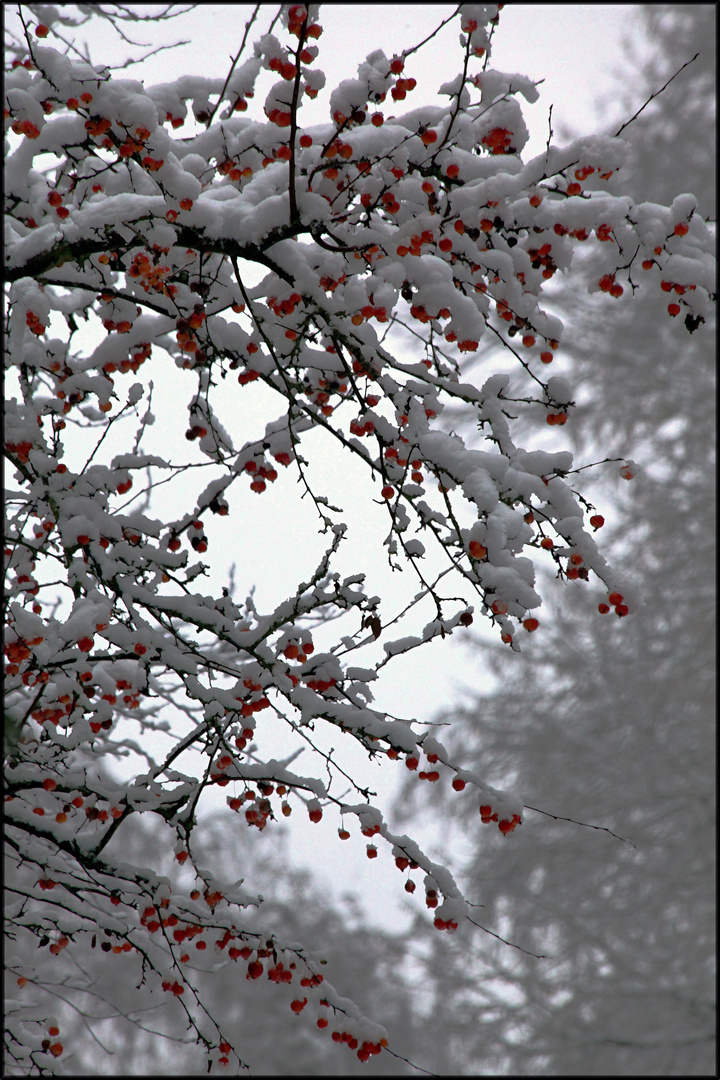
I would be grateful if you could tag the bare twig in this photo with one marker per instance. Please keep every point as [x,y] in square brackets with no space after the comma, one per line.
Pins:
[585,825]
[656,94]
[538,956]
[239,53]
[409,52]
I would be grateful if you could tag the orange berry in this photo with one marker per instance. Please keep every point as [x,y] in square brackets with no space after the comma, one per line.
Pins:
[530,624]
[681,229]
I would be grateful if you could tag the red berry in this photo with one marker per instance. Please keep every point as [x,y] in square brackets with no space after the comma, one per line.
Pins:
[458,784]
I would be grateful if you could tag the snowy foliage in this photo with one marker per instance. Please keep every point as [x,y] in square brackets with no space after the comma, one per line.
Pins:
[605,727]
[353,268]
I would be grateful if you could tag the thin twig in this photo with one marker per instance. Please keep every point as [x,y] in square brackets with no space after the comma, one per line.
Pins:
[409,1062]
[409,52]
[550,135]
[239,53]
[538,956]
[585,825]
[656,94]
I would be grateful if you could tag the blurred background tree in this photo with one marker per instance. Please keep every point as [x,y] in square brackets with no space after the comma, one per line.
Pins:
[602,720]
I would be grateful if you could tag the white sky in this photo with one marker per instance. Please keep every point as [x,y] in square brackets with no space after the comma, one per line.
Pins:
[575,49]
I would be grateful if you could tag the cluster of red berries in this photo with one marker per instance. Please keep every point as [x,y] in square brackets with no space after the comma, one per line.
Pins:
[151,276]
[98,126]
[36,326]
[26,128]
[504,825]
[21,449]
[615,600]
[608,284]
[260,473]
[366,1050]
[498,141]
